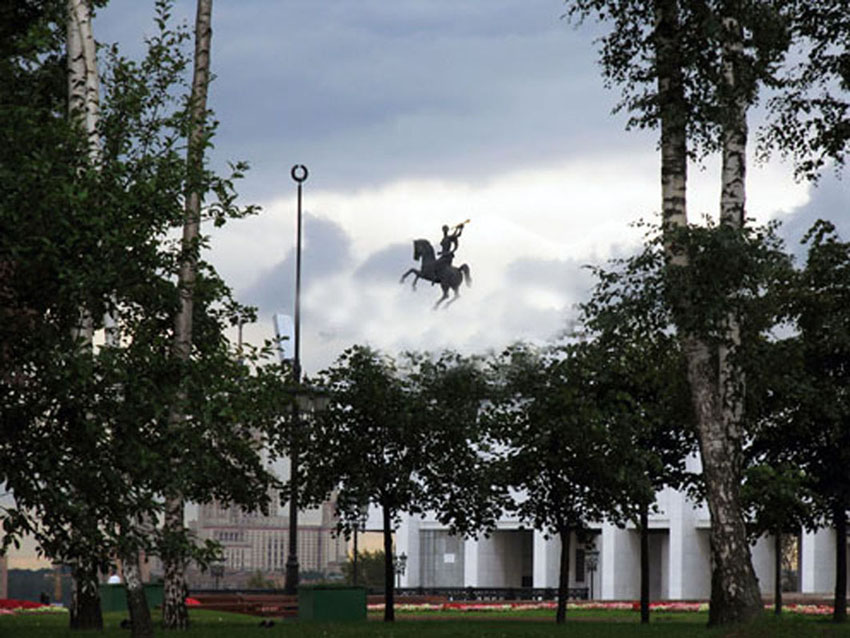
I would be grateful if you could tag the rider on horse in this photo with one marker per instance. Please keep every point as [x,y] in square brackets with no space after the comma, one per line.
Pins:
[437,267]
[448,246]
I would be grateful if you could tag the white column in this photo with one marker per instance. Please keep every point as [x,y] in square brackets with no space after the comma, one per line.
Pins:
[818,558]
[545,557]
[470,562]
[619,564]
[675,502]
[604,579]
[763,554]
[407,541]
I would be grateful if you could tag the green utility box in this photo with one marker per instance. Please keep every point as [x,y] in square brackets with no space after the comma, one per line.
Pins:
[114,597]
[331,602]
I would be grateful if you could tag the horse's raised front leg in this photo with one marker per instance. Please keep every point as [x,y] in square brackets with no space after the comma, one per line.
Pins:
[415,279]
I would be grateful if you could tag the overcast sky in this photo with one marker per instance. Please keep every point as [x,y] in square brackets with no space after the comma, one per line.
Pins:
[415,113]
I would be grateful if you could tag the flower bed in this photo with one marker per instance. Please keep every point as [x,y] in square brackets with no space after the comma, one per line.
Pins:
[809,610]
[12,606]
[674,606]
[501,606]
[659,607]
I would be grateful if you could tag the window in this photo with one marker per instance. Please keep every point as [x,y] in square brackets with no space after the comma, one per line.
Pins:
[580,566]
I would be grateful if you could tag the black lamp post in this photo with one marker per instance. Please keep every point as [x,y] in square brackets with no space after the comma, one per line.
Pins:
[299,174]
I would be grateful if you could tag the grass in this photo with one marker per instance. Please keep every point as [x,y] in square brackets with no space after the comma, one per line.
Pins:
[579,625]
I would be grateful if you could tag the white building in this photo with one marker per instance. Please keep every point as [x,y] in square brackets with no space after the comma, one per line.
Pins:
[253,541]
[515,557]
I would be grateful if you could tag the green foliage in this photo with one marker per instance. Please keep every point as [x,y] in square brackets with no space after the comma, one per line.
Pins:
[777,499]
[742,272]
[808,415]
[631,57]
[370,569]
[404,439]
[84,446]
[562,448]
[640,306]
[811,114]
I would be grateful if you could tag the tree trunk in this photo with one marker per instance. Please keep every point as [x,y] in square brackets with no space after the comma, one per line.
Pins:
[777,572]
[389,567]
[840,603]
[83,109]
[137,604]
[174,612]
[85,613]
[734,590]
[644,563]
[83,103]
[175,615]
[673,117]
[715,386]
[564,575]
[735,595]
[83,80]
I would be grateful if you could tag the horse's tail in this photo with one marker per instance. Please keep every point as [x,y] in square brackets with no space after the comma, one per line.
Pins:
[466,276]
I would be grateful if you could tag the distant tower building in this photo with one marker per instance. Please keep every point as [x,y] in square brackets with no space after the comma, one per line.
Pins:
[252,541]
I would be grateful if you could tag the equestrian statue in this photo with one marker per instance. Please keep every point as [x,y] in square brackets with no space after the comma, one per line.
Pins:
[439,269]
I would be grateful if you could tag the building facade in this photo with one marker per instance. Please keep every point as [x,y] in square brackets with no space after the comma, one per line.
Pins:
[680,562]
[252,541]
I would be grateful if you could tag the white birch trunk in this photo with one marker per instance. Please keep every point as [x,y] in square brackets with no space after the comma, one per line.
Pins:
[174,612]
[84,107]
[83,100]
[674,158]
[735,595]
[140,616]
[83,81]
[716,387]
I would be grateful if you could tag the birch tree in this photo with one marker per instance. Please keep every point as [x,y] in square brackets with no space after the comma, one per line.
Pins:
[174,613]
[80,490]
[693,69]
[84,107]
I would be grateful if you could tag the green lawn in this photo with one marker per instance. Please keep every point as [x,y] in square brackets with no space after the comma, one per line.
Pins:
[579,625]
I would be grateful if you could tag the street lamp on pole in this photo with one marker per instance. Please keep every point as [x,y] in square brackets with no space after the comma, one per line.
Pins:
[299,174]
[400,564]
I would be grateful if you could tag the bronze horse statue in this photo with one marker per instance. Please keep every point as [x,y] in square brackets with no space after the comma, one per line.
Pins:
[438,271]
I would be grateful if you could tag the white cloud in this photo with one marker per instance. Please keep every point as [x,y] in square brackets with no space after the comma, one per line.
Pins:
[551,219]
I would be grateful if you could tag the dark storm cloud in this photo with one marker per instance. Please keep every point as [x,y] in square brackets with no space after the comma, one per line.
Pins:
[371,91]
[326,251]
